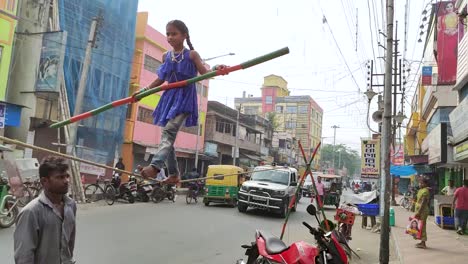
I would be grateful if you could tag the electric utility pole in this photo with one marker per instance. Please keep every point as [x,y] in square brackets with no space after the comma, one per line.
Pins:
[71,150]
[334,143]
[385,141]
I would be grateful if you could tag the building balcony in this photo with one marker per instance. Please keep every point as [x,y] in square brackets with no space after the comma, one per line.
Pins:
[228,139]
[438,96]
[413,124]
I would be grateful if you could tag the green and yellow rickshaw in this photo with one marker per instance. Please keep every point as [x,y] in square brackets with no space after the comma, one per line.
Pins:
[223,184]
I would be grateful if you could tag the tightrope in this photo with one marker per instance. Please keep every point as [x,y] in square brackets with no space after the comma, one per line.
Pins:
[25,145]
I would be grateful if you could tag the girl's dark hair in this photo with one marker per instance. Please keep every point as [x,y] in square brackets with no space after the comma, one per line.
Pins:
[183,29]
[52,164]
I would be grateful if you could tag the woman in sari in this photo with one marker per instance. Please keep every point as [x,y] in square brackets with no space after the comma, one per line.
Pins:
[447,43]
[422,209]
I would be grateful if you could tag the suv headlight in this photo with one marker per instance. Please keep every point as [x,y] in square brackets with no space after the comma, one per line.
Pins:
[281,192]
[244,188]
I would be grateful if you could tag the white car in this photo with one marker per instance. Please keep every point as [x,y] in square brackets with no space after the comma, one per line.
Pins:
[270,188]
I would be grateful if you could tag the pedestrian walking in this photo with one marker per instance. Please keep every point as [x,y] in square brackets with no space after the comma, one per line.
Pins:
[45,229]
[422,209]
[320,192]
[460,203]
[176,106]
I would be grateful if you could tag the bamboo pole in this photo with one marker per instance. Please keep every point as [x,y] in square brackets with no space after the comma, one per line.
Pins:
[25,145]
[142,94]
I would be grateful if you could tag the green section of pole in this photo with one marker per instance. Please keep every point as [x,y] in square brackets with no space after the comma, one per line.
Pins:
[61,124]
[265,57]
[146,93]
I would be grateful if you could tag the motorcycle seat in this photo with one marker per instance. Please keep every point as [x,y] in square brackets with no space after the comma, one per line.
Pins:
[273,244]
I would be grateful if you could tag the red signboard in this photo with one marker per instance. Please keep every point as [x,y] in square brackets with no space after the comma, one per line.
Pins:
[398,155]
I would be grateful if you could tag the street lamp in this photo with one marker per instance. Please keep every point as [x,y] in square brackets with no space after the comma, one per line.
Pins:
[202,91]
[370,94]
[399,117]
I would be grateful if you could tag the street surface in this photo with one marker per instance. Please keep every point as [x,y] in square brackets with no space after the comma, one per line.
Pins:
[180,233]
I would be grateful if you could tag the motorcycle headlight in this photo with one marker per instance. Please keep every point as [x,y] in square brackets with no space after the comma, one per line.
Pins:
[244,188]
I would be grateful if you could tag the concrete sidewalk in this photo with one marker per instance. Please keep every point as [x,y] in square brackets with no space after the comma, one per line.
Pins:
[366,243]
[443,245]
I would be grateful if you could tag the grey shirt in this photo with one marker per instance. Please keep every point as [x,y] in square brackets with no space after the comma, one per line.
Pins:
[42,236]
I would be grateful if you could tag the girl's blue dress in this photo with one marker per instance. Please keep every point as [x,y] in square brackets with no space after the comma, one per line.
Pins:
[177,100]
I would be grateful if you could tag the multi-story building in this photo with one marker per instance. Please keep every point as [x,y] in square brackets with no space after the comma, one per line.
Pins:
[142,137]
[429,127]
[253,138]
[9,113]
[297,116]
[51,42]
[459,116]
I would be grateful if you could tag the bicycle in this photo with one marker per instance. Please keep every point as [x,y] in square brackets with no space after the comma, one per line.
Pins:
[407,201]
[34,187]
[95,192]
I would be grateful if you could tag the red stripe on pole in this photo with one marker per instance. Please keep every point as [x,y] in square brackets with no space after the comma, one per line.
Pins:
[227,70]
[80,116]
[174,85]
[123,101]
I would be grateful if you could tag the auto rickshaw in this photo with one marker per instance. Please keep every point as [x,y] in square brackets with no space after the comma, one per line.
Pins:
[332,189]
[224,186]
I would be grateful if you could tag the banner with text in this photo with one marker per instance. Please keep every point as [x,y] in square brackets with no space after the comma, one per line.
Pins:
[397,155]
[370,158]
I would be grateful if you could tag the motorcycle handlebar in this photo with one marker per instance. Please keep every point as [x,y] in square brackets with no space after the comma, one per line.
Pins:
[311,229]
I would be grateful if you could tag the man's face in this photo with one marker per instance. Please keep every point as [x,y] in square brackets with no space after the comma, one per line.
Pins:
[319,179]
[57,182]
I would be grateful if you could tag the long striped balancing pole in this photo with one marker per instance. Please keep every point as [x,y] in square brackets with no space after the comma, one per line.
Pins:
[142,94]
[299,184]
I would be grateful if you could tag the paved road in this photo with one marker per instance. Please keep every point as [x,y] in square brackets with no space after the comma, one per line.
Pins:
[167,233]
[173,233]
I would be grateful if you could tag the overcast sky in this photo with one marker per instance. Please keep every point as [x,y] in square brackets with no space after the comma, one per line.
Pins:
[315,65]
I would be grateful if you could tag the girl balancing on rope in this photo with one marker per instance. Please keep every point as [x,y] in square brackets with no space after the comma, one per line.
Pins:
[175,105]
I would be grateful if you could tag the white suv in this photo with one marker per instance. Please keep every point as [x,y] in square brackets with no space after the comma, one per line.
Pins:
[270,188]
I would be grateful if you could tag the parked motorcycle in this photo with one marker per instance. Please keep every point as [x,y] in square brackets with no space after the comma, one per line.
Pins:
[270,249]
[119,190]
[8,205]
[162,191]
[144,189]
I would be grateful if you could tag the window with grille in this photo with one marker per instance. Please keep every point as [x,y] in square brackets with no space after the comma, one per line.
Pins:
[145,115]
[303,109]
[282,143]
[279,108]
[268,99]
[291,109]
[250,110]
[290,124]
[151,64]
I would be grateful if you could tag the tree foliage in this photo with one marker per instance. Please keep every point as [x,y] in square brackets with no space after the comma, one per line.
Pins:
[350,158]
[273,118]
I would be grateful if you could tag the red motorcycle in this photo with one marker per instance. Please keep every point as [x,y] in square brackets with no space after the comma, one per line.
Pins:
[270,249]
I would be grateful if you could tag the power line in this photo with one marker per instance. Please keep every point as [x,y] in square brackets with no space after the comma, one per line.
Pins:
[372,34]
[339,49]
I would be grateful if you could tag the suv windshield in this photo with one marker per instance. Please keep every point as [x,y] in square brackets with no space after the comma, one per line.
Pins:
[281,177]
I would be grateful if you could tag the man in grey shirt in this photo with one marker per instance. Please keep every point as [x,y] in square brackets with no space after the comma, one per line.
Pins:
[45,229]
